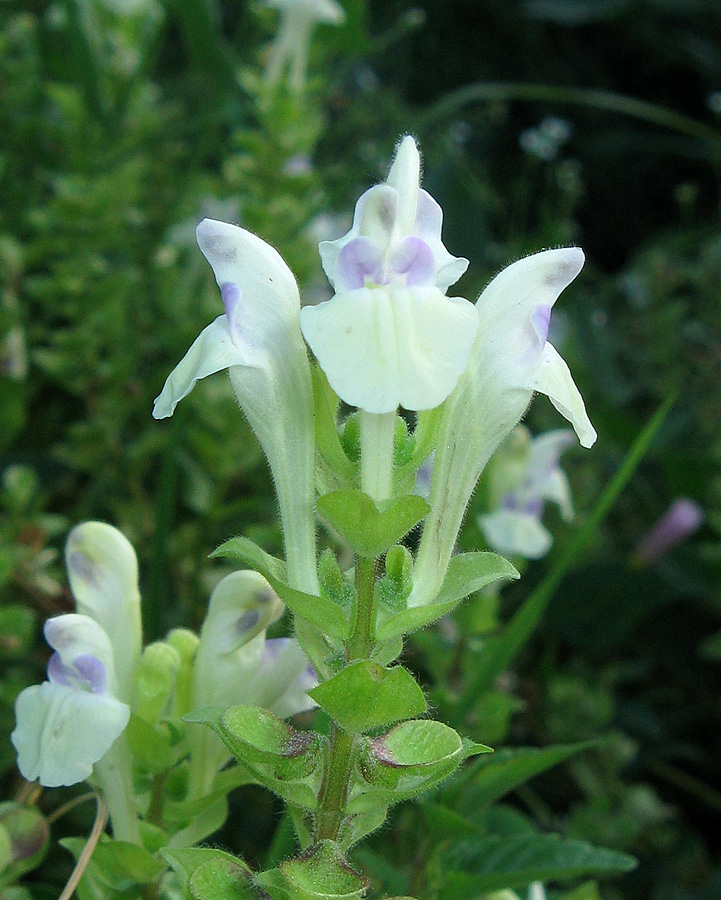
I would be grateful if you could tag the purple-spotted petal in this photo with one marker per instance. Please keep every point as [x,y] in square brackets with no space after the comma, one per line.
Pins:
[231,296]
[58,672]
[541,322]
[360,259]
[412,257]
[74,635]
[92,671]
[214,349]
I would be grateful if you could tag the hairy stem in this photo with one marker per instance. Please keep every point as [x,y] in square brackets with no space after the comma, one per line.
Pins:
[334,792]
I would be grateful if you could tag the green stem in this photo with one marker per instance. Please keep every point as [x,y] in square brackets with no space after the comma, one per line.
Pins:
[334,792]
[376,436]
[361,641]
[335,788]
[116,783]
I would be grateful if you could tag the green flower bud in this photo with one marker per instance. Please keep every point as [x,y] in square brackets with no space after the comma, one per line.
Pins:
[154,680]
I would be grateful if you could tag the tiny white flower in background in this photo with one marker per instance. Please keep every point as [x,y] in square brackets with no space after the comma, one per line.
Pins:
[514,526]
[390,337]
[290,48]
[68,723]
[235,664]
[259,341]
[546,139]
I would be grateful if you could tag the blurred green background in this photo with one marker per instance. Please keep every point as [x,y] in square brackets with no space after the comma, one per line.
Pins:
[543,123]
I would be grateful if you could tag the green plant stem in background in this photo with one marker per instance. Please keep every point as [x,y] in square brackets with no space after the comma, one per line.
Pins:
[607,101]
[501,651]
[342,745]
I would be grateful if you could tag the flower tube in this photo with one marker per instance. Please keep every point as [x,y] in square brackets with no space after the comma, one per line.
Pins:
[259,341]
[511,359]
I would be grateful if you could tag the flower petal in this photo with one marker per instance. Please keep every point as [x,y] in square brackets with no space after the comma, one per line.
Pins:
[545,479]
[405,177]
[62,732]
[212,351]
[515,533]
[103,574]
[241,606]
[428,225]
[244,259]
[74,635]
[383,348]
[281,680]
[374,218]
[515,309]
[359,259]
[552,377]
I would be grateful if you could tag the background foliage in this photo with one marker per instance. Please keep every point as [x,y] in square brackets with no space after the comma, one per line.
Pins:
[543,122]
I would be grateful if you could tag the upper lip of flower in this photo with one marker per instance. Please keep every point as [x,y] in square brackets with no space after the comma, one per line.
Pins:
[405,343]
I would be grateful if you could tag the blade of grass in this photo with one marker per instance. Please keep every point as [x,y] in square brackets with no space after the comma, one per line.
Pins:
[88,66]
[607,101]
[209,50]
[500,651]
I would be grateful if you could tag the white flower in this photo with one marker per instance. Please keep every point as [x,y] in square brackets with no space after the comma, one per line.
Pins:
[390,337]
[235,664]
[68,723]
[290,48]
[259,341]
[510,360]
[514,526]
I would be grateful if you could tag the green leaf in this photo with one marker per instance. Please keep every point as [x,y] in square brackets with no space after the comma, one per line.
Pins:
[467,572]
[364,695]
[5,850]
[183,811]
[221,878]
[444,822]
[118,864]
[319,611]
[359,825]
[472,867]
[286,761]
[321,873]
[490,777]
[369,529]
[187,860]
[326,433]
[500,652]
[425,437]
[411,758]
